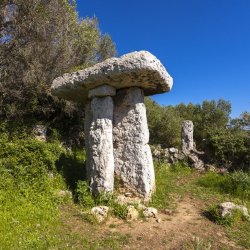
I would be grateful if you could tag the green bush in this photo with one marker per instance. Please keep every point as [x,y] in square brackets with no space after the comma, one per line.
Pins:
[29,185]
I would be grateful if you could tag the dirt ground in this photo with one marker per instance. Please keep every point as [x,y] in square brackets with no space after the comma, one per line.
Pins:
[185,228]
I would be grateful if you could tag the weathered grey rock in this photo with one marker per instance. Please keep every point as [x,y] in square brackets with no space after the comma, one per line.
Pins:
[100,213]
[132,213]
[227,208]
[40,132]
[150,212]
[173,150]
[187,137]
[137,69]
[101,91]
[196,162]
[87,124]
[123,200]
[100,145]
[133,159]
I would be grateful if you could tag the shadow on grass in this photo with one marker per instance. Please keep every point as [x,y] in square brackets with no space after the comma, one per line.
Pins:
[73,168]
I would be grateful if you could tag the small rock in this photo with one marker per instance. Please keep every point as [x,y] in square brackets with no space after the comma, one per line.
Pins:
[150,212]
[227,208]
[158,220]
[168,211]
[128,194]
[100,213]
[122,200]
[141,206]
[173,150]
[132,213]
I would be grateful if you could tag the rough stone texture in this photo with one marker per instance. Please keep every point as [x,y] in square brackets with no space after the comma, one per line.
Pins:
[101,91]
[100,145]
[150,212]
[132,213]
[40,132]
[100,213]
[133,159]
[187,137]
[87,124]
[227,208]
[137,69]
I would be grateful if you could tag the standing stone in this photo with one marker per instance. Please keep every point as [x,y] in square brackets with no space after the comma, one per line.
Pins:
[133,159]
[187,137]
[87,124]
[100,145]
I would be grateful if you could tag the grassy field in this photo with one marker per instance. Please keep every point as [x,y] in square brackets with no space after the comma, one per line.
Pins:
[33,216]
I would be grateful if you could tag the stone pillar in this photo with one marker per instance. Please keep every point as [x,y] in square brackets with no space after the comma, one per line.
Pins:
[100,163]
[187,137]
[133,159]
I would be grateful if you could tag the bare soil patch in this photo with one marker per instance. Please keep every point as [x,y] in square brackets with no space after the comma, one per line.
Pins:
[180,230]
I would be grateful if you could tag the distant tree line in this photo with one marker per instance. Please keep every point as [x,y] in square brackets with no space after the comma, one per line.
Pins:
[225,141]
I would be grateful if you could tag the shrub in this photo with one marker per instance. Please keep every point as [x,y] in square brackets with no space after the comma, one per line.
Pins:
[29,185]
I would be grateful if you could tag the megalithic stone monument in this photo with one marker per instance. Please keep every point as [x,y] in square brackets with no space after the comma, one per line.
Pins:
[116,127]
[187,136]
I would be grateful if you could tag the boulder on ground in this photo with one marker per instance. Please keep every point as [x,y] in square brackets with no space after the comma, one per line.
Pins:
[100,213]
[227,208]
[132,213]
[150,212]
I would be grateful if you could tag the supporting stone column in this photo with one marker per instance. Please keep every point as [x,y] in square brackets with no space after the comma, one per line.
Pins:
[187,137]
[100,156]
[133,159]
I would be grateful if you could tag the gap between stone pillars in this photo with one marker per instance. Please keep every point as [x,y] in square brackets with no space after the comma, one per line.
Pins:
[99,141]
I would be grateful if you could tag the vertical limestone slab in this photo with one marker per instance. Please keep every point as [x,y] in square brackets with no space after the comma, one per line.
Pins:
[187,136]
[132,154]
[100,145]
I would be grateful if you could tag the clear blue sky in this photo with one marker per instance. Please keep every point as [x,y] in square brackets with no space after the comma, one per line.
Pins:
[204,44]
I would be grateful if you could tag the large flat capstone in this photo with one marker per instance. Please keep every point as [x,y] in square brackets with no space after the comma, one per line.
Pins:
[138,69]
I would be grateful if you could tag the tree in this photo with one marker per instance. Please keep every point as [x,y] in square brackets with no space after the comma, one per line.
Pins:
[40,40]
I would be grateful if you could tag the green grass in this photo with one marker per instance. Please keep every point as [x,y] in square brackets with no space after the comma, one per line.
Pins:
[235,187]
[32,173]
[167,178]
